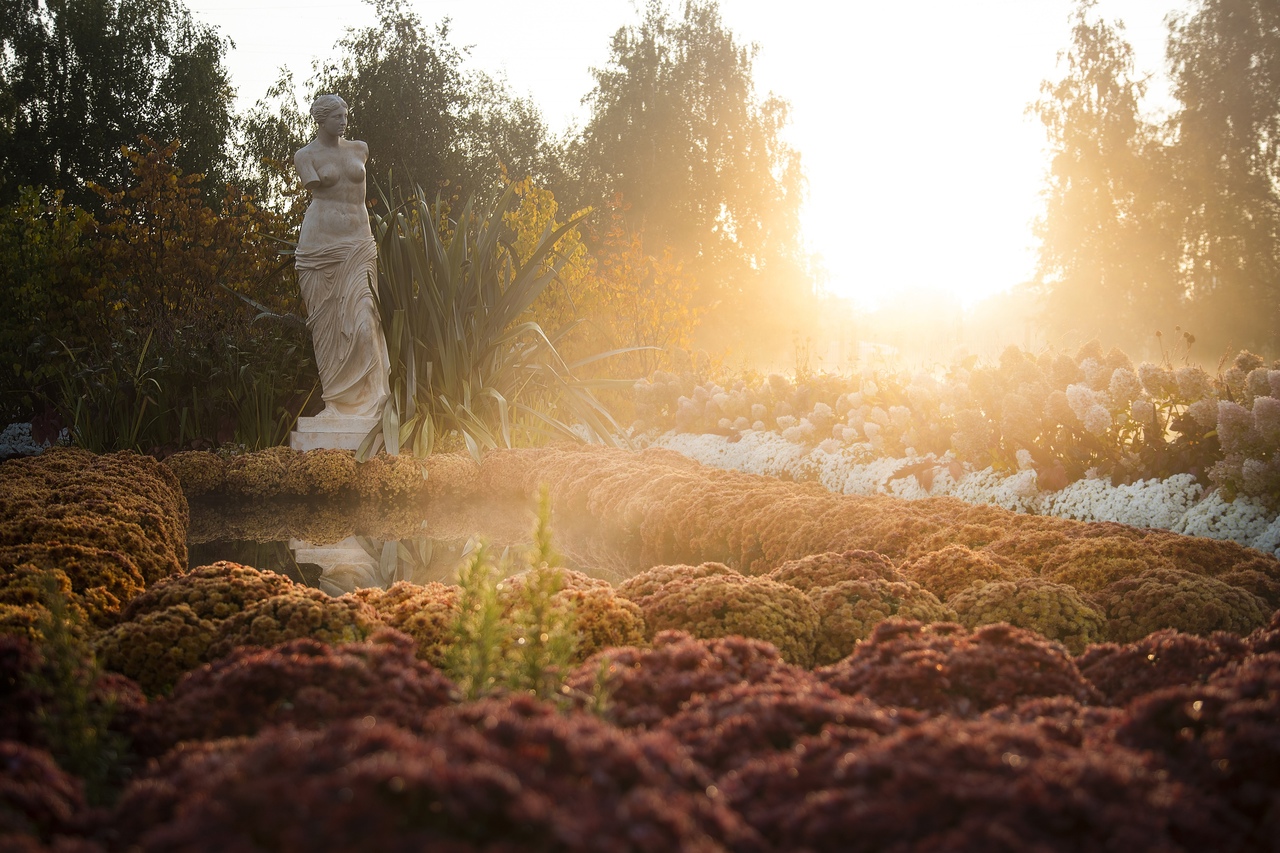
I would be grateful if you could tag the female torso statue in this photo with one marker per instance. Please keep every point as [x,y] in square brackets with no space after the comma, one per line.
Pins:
[336,262]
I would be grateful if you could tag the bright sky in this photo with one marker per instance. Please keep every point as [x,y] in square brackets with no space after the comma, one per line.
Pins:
[924,168]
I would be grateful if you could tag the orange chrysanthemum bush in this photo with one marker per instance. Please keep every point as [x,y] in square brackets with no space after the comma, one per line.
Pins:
[1170,598]
[953,568]
[724,605]
[425,612]
[323,473]
[215,592]
[831,568]
[107,525]
[1054,610]
[673,511]
[260,474]
[158,647]
[392,477]
[601,617]
[301,612]
[639,587]
[199,471]
[849,610]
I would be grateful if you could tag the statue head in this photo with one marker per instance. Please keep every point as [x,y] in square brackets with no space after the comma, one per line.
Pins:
[324,105]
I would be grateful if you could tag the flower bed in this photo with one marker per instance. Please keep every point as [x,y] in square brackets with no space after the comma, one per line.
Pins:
[763,692]
[1090,437]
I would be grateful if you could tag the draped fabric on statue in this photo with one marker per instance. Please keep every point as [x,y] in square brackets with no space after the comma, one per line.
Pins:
[345,330]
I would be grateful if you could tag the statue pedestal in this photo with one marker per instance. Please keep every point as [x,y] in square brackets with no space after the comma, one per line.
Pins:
[341,433]
[345,566]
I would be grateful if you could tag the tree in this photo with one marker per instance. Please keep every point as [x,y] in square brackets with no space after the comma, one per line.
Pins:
[1107,254]
[1225,63]
[427,121]
[79,79]
[676,130]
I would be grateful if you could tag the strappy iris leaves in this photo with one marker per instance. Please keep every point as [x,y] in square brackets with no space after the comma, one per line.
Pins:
[465,357]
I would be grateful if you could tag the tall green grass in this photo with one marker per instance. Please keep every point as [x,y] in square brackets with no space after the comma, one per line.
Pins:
[466,357]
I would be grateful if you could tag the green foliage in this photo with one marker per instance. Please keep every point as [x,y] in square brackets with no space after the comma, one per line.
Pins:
[476,659]
[173,358]
[1104,235]
[76,722]
[426,120]
[138,394]
[53,290]
[676,129]
[78,80]
[464,358]
[1159,220]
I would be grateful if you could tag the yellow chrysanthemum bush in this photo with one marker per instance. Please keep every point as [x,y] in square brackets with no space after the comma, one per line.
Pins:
[1171,598]
[1057,611]
[729,604]
[216,591]
[849,610]
[830,568]
[300,612]
[199,471]
[425,612]
[323,473]
[158,647]
[102,527]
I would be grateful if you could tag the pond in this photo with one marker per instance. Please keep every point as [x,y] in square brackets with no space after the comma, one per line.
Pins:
[339,547]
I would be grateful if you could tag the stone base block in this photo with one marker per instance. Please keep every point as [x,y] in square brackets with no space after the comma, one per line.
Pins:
[344,433]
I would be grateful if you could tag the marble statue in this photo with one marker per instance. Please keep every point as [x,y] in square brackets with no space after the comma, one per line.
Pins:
[336,262]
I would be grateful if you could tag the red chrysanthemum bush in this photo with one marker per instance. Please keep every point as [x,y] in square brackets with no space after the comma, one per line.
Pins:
[946,669]
[730,727]
[37,798]
[950,784]
[1165,658]
[509,774]
[301,683]
[1223,737]
[645,685]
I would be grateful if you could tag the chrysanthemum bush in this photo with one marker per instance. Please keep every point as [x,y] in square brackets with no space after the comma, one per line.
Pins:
[1090,435]
[274,715]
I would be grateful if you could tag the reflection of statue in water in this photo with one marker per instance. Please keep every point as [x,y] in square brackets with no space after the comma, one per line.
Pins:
[336,262]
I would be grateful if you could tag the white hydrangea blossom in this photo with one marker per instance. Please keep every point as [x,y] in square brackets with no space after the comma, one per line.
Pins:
[1097,420]
[1081,398]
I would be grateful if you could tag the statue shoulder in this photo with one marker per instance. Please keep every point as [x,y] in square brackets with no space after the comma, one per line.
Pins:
[361,148]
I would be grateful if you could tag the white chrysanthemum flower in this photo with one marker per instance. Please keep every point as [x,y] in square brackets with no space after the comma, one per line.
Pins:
[879,416]
[786,422]
[1024,459]
[871,429]
[1143,412]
